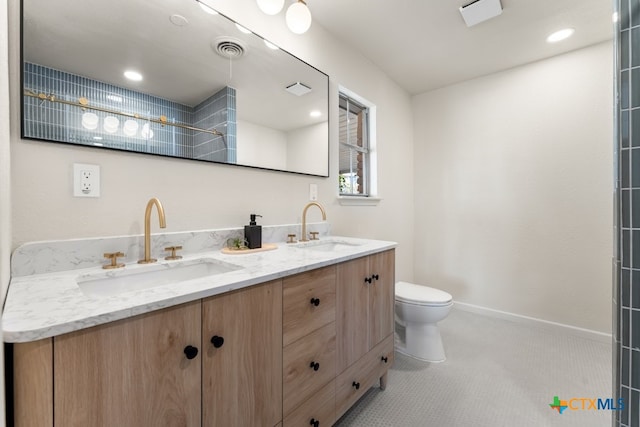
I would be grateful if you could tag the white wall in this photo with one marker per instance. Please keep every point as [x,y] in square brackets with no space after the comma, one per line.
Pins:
[197,195]
[261,146]
[5,189]
[5,186]
[514,189]
[305,150]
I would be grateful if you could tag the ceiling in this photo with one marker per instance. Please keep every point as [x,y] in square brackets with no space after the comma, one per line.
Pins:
[425,44]
[176,52]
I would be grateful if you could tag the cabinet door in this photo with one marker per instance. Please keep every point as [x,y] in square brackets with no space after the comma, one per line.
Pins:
[132,372]
[242,373]
[352,300]
[381,296]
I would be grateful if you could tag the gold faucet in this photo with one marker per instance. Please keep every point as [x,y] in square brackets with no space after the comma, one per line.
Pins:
[304,219]
[147,229]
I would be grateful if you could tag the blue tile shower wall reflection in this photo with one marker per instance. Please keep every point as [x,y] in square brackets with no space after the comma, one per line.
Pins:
[48,120]
[217,111]
[627,289]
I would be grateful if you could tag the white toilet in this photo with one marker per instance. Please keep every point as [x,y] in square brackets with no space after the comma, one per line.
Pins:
[418,310]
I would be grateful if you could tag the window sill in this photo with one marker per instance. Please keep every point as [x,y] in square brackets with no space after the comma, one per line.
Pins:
[358,201]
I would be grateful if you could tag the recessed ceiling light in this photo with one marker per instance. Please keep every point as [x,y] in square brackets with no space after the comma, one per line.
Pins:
[271,45]
[178,20]
[243,29]
[207,9]
[315,113]
[133,75]
[560,35]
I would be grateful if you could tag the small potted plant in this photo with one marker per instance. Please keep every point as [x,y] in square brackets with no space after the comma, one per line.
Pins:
[236,243]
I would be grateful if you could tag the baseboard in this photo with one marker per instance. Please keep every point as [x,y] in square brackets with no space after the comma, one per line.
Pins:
[572,330]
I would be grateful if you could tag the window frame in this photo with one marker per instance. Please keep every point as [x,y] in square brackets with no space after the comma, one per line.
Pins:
[370,192]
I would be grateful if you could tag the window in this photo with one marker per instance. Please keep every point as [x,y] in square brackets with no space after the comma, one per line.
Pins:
[355,163]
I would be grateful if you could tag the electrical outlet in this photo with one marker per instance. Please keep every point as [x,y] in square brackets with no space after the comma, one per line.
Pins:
[86,180]
[313,192]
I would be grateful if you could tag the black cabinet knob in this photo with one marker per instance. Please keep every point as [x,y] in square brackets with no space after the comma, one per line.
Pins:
[368,279]
[190,351]
[375,276]
[314,422]
[217,341]
[356,385]
[384,359]
[315,301]
[314,365]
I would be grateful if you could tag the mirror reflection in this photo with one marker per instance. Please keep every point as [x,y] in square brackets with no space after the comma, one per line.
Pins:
[171,78]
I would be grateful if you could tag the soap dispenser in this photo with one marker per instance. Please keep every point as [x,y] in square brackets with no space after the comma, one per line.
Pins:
[253,233]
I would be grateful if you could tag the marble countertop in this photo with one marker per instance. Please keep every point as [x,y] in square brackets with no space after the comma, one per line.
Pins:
[45,305]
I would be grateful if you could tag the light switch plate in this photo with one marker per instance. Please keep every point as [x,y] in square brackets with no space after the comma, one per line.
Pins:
[313,192]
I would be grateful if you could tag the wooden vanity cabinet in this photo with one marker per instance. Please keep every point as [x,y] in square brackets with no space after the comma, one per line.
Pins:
[290,352]
[133,372]
[161,368]
[242,357]
[309,347]
[364,325]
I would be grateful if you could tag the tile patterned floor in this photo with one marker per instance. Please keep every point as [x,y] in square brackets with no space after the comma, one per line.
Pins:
[497,373]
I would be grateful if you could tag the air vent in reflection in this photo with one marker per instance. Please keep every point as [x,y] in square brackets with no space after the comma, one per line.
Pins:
[228,47]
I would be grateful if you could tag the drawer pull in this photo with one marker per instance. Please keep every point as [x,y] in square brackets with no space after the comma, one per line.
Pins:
[190,351]
[375,276]
[368,279]
[217,341]
[315,366]
[356,385]
[314,422]
[315,301]
[384,359]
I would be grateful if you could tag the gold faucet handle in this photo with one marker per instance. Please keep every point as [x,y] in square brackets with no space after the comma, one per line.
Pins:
[113,256]
[173,250]
[314,235]
[290,238]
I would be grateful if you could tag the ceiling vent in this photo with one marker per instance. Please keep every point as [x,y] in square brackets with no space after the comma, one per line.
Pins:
[298,89]
[480,11]
[228,47]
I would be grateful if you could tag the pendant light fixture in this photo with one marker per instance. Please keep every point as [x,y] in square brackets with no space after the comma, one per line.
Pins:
[298,17]
[271,7]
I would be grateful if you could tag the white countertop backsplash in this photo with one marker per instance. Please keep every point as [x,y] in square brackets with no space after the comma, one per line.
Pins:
[62,255]
[44,298]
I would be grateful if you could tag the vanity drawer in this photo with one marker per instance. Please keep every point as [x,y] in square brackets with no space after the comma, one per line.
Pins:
[299,379]
[300,315]
[321,407]
[364,372]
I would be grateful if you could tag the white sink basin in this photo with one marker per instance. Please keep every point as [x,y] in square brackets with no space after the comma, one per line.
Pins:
[327,245]
[115,282]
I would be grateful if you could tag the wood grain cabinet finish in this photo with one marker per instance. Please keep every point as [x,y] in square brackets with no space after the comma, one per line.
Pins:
[308,364]
[309,342]
[33,383]
[131,372]
[243,358]
[309,301]
[320,408]
[242,367]
[362,375]
[365,305]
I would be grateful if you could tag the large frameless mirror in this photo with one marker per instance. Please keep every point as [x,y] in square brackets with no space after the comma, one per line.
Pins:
[199,86]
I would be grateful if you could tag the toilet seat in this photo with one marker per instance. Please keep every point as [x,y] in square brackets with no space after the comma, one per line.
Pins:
[410,293]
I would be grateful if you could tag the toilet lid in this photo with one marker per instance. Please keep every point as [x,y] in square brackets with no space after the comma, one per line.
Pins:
[417,294]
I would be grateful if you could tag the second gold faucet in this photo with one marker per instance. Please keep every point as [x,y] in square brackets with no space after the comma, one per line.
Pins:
[147,228]
[304,219]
